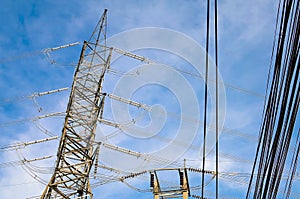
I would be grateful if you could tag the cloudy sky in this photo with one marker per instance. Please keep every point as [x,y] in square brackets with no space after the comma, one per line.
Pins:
[246,30]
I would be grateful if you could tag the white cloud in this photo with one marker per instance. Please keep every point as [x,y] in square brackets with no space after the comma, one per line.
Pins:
[244,27]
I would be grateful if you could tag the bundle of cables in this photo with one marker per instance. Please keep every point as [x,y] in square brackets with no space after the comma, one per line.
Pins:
[279,133]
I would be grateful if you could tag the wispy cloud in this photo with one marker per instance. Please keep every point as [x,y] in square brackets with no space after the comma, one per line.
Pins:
[245,35]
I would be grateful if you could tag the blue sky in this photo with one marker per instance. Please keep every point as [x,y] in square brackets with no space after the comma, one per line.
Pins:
[246,31]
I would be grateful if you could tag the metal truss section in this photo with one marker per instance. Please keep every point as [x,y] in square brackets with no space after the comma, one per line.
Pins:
[77,150]
[183,190]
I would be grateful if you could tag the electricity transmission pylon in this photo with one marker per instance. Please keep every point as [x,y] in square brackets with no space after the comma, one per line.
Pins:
[183,191]
[77,148]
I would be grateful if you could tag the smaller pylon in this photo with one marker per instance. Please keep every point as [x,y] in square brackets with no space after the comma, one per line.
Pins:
[183,190]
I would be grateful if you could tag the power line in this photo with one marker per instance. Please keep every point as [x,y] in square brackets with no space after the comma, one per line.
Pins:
[17,184]
[281,108]
[23,161]
[217,98]
[205,96]
[33,97]
[227,85]
[45,51]
[32,119]
[24,144]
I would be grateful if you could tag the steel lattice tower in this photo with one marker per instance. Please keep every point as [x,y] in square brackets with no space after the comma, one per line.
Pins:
[77,148]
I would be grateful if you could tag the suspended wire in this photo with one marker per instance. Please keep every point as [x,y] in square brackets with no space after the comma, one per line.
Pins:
[227,85]
[199,187]
[212,127]
[212,194]
[145,157]
[116,178]
[43,129]
[165,139]
[17,184]
[180,143]
[242,178]
[217,98]
[22,161]
[21,145]
[236,177]
[30,172]
[122,73]
[205,97]
[135,188]
[45,51]
[34,197]
[172,115]
[266,92]
[110,135]
[20,56]
[40,169]
[32,96]
[293,168]
[235,159]
[148,61]
[105,179]
[24,144]
[281,108]
[32,119]
[47,170]
[117,171]
[230,86]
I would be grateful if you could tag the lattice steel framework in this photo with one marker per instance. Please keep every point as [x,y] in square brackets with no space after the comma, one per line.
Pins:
[77,150]
[183,191]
